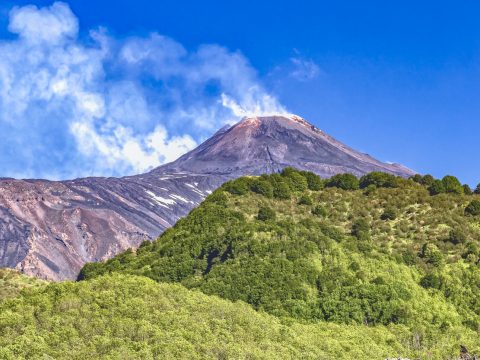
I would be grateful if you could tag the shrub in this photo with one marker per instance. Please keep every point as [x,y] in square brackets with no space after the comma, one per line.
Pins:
[343,181]
[379,179]
[430,280]
[319,210]
[305,200]
[431,255]
[262,187]
[473,208]
[265,213]
[457,236]
[361,229]
[389,214]
[452,185]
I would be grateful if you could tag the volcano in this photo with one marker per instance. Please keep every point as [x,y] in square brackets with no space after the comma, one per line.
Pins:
[50,229]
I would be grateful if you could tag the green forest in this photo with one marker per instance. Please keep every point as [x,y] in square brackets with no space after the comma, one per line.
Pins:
[284,265]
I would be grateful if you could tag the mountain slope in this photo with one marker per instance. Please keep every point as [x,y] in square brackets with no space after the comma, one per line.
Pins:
[50,229]
[388,253]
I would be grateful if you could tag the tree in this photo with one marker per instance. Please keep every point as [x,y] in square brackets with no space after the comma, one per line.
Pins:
[295,179]
[416,178]
[427,180]
[379,179]
[477,189]
[237,187]
[452,185]
[467,190]
[281,190]
[361,229]
[305,200]
[344,181]
[437,187]
[314,181]
[473,208]
[262,187]
[265,213]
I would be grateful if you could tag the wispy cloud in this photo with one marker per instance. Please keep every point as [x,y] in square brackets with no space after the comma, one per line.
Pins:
[73,106]
[304,69]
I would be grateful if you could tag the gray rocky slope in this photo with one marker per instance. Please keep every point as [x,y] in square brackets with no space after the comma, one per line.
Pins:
[49,229]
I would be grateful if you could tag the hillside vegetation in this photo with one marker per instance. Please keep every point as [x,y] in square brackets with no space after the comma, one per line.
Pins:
[307,268]
[376,251]
[12,283]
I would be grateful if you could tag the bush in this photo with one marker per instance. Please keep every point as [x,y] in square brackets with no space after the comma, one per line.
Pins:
[431,281]
[379,179]
[265,213]
[431,255]
[262,187]
[319,210]
[389,214]
[473,208]
[416,178]
[343,181]
[305,200]
[361,229]
[457,236]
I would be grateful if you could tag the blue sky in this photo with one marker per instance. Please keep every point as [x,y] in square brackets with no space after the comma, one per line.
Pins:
[398,79]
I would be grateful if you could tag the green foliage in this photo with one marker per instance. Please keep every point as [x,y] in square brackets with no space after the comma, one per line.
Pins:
[305,200]
[295,179]
[237,187]
[265,213]
[427,180]
[389,214]
[132,317]
[361,229]
[467,189]
[315,183]
[379,179]
[477,189]
[262,187]
[452,185]
[419,270]
[319,210]
[473,208]
[12,283]
[437,187]
[343,181]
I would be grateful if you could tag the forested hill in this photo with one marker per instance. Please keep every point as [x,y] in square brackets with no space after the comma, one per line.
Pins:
[376,251]
[342,268]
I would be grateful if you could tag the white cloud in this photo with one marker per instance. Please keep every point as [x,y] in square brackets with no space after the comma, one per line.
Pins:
[304,69]
[104,106]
